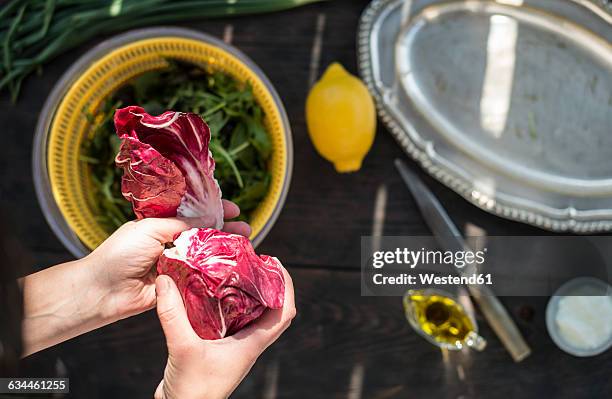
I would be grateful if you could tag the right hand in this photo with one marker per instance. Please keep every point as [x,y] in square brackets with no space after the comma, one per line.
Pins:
[122,268]
[199,368]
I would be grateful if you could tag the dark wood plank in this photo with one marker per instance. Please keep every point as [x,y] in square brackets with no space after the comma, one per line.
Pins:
[339,337]
[323,218]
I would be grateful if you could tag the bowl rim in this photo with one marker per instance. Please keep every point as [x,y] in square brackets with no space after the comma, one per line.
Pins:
[553,305]
[42,183]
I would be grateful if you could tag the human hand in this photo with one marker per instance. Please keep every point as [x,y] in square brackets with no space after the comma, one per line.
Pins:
[124,265]
[198,368]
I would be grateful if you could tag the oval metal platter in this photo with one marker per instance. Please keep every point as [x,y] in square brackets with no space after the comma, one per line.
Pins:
[507,102]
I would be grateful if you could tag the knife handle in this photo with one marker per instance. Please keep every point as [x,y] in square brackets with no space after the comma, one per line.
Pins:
[500,321]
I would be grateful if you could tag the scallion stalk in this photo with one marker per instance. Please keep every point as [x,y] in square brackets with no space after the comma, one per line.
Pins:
[33,32]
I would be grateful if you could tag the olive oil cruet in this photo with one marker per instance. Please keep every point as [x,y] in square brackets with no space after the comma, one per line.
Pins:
[440,318]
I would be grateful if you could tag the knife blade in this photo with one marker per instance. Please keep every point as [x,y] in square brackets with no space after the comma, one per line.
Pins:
[449,238]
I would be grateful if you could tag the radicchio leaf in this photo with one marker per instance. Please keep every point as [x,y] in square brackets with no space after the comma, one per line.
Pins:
[224,284]
[168,168]
[152,183]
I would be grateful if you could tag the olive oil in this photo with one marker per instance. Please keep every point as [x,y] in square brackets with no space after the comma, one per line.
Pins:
[440,317]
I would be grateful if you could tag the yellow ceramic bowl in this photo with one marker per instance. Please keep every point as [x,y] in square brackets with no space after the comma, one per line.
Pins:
[133,54]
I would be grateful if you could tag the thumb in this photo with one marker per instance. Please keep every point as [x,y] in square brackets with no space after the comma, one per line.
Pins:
[172,314]
[164,229]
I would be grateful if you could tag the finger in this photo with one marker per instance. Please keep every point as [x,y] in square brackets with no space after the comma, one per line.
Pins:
[265,330]
[241,228]
[230,210]
[165,229]
[172,314]
[159,392]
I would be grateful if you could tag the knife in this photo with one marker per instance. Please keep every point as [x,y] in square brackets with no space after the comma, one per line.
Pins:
[449,238]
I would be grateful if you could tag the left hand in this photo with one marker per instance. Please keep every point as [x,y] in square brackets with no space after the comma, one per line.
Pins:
[124,264]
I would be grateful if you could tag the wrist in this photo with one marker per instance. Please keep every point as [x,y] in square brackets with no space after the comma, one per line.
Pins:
[97,291]
[60,303]
[118,294]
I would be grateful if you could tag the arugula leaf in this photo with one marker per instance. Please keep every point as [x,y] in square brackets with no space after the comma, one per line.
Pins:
[251,195]
[240,143]
[259,138]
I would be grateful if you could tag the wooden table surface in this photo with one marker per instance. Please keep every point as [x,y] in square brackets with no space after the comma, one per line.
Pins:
[341,345]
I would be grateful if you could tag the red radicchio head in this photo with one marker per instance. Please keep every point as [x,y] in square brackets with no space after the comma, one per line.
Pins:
[224,284]
[168,169]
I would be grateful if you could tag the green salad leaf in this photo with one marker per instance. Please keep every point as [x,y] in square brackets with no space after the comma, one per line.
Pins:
[240,144]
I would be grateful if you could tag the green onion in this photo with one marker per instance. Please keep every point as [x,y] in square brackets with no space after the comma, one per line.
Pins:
[33,32]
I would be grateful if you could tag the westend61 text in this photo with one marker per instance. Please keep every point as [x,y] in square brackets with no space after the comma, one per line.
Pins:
[432,279]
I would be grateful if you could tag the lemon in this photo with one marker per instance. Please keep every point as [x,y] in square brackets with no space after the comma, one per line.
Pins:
[341,118]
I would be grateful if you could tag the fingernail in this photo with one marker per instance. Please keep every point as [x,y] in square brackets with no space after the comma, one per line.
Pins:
[162,285]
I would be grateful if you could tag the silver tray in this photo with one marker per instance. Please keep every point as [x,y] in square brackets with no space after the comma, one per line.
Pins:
[507,102]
